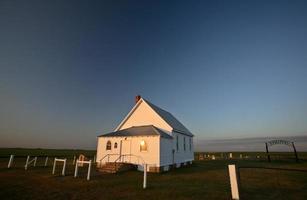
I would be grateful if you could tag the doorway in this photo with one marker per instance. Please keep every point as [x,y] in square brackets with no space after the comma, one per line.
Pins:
[125,150]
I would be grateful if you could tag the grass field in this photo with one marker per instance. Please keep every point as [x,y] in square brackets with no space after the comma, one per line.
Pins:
[206,179]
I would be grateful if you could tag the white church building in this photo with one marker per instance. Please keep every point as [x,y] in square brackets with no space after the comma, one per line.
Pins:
[147,135]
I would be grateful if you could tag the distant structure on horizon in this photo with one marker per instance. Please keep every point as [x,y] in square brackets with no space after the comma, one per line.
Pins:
[148,134]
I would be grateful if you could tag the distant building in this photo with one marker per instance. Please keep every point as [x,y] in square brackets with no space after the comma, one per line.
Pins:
[150,135]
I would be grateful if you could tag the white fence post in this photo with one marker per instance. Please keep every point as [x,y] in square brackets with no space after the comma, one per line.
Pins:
[145,176]
[10,161]
[53,170]
[28,162]
[76,169]
[35,159]
[64,166]
[74,160]
[89,170]
[26,166]
[230,155]
[233,182]
[46,161]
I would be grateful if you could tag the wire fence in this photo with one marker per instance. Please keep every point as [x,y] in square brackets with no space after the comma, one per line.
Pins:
[260,156]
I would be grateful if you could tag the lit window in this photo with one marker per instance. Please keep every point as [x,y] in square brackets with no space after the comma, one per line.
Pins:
[109,146]
[143,146]
[115,145]
[183,143]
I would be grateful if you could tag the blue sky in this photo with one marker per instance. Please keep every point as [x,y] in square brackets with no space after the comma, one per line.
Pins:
[226,69]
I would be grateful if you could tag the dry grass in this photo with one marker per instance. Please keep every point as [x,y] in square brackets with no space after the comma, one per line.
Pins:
[202,180]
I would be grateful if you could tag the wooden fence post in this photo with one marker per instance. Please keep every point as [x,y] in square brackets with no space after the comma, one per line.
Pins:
[145,177]
[76,169]
[64,166]
[26,166]
[46,161]
[10,161]
[35,159]
[233,182]
[53,170]
[267,151]
[89,170]
[74,160]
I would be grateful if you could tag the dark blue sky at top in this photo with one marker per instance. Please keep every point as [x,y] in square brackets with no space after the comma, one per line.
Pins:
[69,70]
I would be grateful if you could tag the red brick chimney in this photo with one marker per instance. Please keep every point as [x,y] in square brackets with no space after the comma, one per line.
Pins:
[137,98]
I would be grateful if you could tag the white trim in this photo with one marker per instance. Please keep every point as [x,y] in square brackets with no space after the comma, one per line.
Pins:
[159,116]
[132,111]
[129,114]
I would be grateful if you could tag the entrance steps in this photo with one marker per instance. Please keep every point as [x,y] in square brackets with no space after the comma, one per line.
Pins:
[112,167]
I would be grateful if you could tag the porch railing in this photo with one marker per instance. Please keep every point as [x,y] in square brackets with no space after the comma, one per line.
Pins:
[107,158]
[124,156]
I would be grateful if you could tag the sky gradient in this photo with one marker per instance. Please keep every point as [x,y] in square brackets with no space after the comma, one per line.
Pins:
[69,71]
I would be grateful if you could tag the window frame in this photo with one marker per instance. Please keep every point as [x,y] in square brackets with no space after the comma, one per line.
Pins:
[143,146]
[109,145]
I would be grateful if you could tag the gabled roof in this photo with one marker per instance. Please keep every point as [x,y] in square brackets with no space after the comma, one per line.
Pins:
[138,131]
[169,119]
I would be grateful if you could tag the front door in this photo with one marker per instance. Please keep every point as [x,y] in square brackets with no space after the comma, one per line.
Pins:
[125,150]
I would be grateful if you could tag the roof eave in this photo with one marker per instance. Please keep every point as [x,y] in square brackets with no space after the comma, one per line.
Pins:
[129,114]
[184,133]
[127,135]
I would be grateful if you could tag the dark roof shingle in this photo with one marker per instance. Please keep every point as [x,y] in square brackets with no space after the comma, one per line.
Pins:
[138,131]
[170,119]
